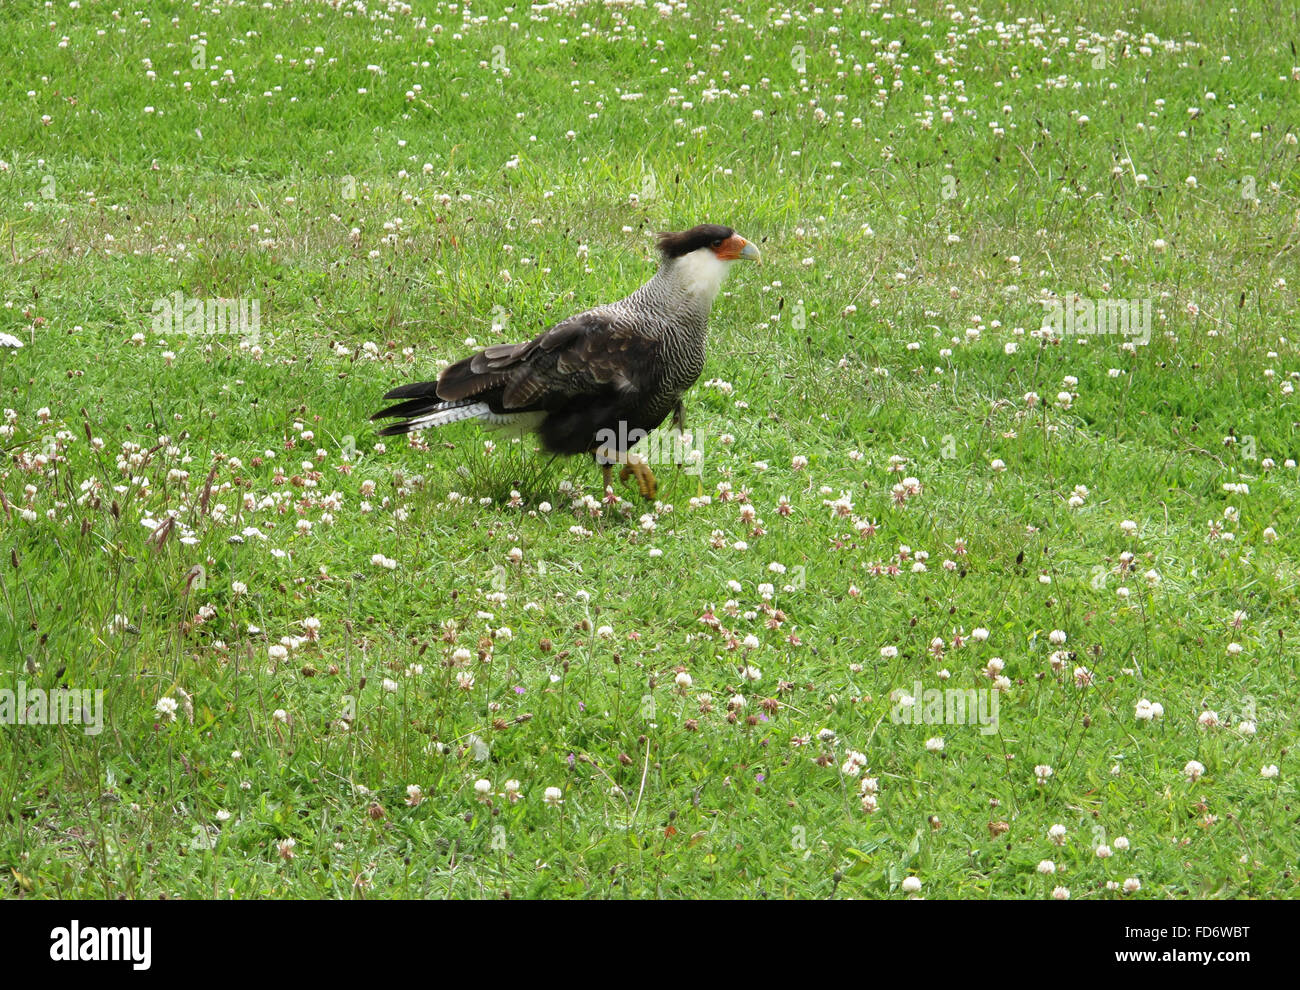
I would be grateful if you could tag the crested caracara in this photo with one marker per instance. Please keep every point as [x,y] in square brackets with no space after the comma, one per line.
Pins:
[599,381]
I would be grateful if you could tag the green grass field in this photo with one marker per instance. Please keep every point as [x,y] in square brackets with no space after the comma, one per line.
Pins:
[334,667]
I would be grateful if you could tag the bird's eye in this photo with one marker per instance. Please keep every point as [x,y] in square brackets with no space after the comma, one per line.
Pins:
[718,242]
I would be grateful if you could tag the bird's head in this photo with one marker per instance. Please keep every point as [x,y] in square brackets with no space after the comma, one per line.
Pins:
[722,242]
[701,256]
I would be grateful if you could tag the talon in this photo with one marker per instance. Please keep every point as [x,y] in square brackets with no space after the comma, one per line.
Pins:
[646,482]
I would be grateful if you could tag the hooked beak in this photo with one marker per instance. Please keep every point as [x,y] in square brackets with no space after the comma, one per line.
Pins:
[736,247]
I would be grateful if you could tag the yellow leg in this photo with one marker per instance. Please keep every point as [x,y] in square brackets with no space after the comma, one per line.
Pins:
[633,465]
[646,482]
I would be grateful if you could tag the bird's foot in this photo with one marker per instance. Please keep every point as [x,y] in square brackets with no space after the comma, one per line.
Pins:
[633,465]
[646,482]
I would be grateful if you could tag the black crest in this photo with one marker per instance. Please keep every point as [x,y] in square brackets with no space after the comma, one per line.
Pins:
[674,245]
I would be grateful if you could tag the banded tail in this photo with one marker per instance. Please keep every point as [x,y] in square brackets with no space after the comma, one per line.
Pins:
[421,409]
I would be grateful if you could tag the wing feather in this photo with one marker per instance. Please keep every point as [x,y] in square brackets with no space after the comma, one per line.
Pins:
[591,354]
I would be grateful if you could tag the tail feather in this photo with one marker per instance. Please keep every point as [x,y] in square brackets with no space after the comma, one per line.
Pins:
[414,390]
[422,408]
[470,377]
[414,407]
[426,412]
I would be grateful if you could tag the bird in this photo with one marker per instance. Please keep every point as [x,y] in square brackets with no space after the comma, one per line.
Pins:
[600,381]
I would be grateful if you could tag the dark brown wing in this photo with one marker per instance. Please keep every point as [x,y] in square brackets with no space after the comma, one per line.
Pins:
[590,355]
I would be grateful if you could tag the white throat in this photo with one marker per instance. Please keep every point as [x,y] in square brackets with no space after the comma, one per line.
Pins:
[700,274]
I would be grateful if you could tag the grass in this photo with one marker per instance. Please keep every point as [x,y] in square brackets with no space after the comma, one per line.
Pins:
[892,164]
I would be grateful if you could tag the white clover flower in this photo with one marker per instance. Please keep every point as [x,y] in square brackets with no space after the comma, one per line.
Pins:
[1147,711]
